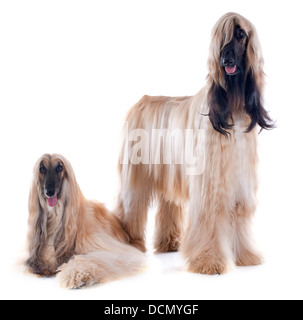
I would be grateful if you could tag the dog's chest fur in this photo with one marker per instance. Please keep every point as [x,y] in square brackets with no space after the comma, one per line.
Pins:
[243,161]
[54,223]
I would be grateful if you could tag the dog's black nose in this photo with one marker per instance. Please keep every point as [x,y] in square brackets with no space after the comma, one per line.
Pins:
[49,193]
[228,61]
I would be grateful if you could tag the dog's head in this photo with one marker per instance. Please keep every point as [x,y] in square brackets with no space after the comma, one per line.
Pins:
[51,176]
[235,47]
[236,76]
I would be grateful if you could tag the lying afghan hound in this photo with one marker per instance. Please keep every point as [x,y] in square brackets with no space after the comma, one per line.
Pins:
[221,200]
[78,239]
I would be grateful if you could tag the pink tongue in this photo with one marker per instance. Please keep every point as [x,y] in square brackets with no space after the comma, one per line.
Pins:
[52,202]
[231,70]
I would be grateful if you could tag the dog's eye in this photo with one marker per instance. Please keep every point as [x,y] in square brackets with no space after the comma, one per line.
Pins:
[241,34]
[59,168]
[43,170]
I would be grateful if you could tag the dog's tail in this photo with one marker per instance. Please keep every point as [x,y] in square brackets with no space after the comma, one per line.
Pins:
[102,266]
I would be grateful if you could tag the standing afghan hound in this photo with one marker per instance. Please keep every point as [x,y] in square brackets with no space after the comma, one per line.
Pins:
[221,200]
[77,239]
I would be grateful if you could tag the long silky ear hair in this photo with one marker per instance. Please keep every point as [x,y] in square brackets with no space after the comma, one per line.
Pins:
[74,201]
[37,222]
[254,105]
[254,83]
[220,113]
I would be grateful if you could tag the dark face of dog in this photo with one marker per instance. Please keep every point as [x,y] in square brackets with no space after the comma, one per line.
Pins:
[232,60]
[51,177]
[233,54]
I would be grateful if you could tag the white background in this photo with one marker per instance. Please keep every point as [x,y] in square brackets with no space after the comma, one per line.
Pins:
[70,70]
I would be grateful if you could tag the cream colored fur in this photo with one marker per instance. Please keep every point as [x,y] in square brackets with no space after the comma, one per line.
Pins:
[80,241]
[222,200]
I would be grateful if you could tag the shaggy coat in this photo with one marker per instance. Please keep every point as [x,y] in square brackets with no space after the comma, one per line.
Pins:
[78,240]
[222,199]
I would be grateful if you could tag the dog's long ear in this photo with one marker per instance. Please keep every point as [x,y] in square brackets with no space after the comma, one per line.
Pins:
[254,83]
[220,113]
[254,105]
[74,212]
[37,224]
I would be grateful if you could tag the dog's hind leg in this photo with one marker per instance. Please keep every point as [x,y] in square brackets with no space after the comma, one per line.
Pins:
[169,227]
[132,211]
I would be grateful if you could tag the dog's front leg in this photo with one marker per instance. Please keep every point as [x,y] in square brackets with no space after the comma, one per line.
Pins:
[207,243]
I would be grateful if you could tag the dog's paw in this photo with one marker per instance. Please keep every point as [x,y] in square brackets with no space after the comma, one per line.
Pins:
[207,266]
[249,258]
[171,244]
[75,275]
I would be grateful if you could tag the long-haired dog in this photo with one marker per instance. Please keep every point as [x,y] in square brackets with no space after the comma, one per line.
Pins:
[70,236]
[222,200]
